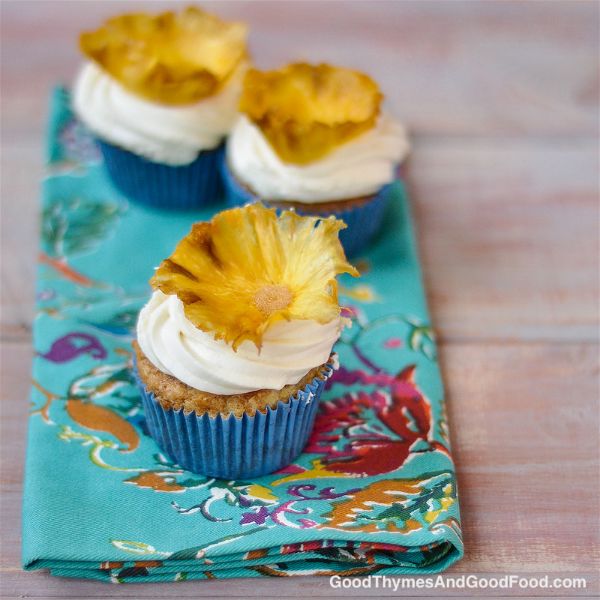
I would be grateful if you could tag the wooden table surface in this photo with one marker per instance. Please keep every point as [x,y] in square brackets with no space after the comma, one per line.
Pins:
[502,103]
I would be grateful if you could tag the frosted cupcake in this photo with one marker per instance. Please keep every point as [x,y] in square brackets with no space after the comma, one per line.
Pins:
[161,93]
[313,138]
[235,345]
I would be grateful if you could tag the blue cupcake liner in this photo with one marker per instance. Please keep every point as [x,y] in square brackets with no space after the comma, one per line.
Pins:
[230,447]
[363,221]
[158,185]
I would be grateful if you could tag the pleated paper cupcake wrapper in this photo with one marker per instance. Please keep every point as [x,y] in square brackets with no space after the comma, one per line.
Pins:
[157,185]
[363,221]
[230,447]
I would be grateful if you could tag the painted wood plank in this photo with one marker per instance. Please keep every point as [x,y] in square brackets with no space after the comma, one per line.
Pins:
[502,98]
[524,433]
[464,67]
[507,230]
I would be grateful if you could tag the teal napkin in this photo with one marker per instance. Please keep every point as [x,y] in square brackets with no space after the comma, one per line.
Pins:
[374,492]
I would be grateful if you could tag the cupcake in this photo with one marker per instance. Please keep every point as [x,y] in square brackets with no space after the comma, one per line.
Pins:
[160,93]
[235,344]
[314,138]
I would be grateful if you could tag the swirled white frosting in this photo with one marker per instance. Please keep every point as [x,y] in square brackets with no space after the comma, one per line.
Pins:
[360,167]
[175,346]
[173,135]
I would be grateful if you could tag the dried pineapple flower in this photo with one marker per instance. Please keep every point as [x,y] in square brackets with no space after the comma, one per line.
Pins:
[248,268]
[170,58]
[305,111]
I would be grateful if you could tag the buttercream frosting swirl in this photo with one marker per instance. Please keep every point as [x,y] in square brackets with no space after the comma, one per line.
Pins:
[168,134]
[359,167]
[290,349]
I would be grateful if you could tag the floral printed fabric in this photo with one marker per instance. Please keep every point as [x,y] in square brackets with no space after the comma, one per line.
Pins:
[374,491]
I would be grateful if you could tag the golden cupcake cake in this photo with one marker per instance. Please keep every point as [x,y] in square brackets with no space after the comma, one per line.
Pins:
[315,138]
[235,344]
[160,92]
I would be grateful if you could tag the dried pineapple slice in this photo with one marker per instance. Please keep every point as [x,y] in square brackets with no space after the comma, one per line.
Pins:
[305,111]
[170,58]
[248,268]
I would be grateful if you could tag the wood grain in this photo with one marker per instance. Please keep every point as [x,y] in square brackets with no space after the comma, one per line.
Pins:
[513,237]
[526,463]
[509,237]
[507,68]
[501,98]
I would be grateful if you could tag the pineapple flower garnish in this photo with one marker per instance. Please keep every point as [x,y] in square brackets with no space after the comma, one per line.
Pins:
[249,268]
[170,58]
[305,111]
